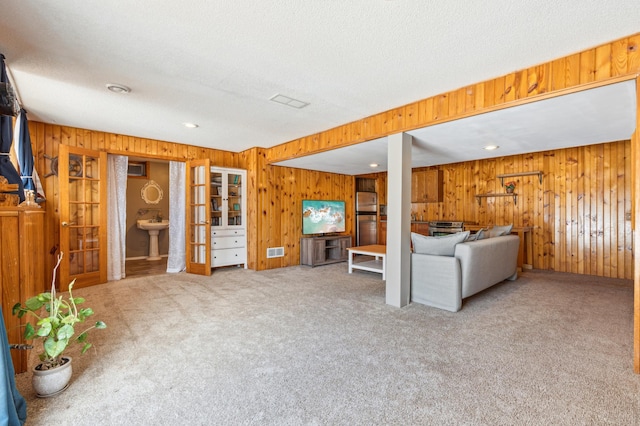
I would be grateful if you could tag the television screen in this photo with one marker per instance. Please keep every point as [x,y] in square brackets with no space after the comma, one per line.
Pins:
[323,216]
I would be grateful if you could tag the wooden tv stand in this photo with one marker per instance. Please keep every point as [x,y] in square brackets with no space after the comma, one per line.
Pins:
[323,250]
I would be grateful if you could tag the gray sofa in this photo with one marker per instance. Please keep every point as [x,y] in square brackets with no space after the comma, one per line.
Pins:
[443,281]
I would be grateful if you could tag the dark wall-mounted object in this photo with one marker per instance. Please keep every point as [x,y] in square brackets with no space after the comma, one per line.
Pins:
[138,169]
[8,105]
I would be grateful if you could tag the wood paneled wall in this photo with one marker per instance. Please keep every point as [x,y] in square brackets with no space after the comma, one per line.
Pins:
[274,194]
[280,192]
[580,213]
[46,139]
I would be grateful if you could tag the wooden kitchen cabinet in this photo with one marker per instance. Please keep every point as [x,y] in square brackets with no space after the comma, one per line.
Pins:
[382,233]
[420,228]
[426,186]
[417,227]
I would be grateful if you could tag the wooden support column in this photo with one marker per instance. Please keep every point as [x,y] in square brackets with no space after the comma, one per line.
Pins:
[398,285]
[635,224]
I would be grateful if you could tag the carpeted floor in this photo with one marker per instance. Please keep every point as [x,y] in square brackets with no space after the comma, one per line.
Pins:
[297,345]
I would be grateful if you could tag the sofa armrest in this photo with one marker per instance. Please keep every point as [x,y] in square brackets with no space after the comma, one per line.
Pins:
[436,281]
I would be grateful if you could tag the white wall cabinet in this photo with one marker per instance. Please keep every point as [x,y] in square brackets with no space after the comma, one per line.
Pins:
[216,222]
[228,217]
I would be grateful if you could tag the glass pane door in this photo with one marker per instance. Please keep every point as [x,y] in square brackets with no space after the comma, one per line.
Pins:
[234,191]
[198,224]
[217,203]
[83,183]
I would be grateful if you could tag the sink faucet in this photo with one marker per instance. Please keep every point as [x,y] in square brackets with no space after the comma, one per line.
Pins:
[159,217]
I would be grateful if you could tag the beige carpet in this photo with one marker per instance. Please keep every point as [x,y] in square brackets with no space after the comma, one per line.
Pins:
[297,346]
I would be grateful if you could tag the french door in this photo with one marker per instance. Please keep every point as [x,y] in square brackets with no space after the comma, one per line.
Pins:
[198,217]
[82,177]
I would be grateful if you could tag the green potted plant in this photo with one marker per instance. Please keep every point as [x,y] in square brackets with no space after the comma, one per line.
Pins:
[56,320]
[510,186]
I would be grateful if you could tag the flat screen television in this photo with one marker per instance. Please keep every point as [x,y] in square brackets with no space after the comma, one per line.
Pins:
[323,216]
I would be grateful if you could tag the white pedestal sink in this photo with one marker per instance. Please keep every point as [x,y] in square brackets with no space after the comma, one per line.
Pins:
[153,228]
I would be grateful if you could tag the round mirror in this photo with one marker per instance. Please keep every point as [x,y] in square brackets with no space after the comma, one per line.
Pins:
[151,193]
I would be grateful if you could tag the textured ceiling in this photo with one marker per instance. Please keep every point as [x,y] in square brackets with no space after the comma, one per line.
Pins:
[217,63]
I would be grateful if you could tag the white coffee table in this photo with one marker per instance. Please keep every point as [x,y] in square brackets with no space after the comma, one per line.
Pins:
[378,264]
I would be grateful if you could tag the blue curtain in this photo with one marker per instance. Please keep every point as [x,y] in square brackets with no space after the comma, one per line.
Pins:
[13,407]
[25,152]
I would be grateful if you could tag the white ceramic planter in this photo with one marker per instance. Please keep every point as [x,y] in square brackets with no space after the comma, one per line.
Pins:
[51,382]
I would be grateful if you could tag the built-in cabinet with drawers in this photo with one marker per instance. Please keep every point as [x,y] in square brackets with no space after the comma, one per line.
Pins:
[228,247]
[228,217]
[22,270]
[216,223]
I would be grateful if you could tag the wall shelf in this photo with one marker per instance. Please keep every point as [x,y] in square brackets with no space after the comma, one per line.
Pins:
[479,197]
[508,175]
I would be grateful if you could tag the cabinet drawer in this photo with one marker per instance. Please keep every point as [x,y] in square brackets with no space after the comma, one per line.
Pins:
[227,242]
[228,256]
[226,232]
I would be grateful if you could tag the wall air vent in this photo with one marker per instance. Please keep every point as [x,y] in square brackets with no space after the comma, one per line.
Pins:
[275,252]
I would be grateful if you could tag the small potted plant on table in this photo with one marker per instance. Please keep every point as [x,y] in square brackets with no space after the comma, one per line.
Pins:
[56,327]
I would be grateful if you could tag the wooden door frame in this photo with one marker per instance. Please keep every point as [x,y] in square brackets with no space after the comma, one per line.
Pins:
[635,223]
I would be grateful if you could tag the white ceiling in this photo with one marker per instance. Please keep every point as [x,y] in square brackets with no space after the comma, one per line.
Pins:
[217,63]
[603,114]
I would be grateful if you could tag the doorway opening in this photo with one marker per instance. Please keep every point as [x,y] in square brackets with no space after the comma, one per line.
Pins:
[143,267]
[141,206]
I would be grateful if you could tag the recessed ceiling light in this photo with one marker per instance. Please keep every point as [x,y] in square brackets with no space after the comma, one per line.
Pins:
[491,147]
[118,88]
[373,165]
[286,100]
[190,125]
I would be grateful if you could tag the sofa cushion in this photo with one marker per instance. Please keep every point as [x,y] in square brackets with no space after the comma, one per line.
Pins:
[477,236]
[498,231]
[438,246]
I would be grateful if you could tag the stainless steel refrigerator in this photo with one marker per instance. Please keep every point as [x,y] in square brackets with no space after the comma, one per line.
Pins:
[366,218]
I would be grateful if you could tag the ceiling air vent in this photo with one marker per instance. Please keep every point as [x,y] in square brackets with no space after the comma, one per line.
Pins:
[286,100]
[275,252]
